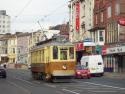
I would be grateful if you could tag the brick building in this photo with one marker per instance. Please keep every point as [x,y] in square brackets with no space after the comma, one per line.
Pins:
[109,33]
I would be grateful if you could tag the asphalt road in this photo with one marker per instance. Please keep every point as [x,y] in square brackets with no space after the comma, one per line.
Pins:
[20,82]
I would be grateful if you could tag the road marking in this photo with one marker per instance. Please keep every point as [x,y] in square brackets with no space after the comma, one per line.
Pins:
[105,85]
[102,85]
[70,91]
[24,89]
[53,86]
[103,91]
[25,81]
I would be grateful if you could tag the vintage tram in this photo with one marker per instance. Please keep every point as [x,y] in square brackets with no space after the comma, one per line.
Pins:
[53,60]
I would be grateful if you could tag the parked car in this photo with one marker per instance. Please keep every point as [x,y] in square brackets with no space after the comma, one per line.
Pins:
[3,72]
[82,72]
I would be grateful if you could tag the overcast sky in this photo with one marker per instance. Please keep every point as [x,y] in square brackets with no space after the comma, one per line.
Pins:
[26,13]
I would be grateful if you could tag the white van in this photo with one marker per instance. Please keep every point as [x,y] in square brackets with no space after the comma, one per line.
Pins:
[94,63]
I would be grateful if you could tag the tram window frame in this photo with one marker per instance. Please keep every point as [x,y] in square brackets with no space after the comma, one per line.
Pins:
[71,53]
[63,52]
[55,52]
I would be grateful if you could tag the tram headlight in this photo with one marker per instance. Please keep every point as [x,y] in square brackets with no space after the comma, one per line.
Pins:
[64,67]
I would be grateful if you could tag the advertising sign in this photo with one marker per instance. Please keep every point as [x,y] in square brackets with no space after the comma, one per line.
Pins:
[77,17]
[113,50]
[79,46]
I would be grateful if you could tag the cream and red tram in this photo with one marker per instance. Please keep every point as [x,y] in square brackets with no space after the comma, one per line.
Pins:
[52,60]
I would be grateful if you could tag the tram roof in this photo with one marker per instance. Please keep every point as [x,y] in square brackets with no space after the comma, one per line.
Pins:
[52,42]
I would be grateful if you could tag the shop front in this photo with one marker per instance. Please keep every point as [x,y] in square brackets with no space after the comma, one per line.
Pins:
[114,59]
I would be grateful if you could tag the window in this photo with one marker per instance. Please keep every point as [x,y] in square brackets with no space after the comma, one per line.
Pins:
[5,50]
[99,63]
[101,16]
[42,55]
[109,11]
[84,11]
[101,36]
[86,64]
[55,52]
[63,54]
[19,50]
[71,53]
[96,19]
[117,8]
[13,50]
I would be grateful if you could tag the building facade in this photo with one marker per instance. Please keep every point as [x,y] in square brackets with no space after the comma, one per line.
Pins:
[81,19]
[99,25]
[115,36]
[3,49]
[12,49]
[4,22]
[109,33]
[22,48]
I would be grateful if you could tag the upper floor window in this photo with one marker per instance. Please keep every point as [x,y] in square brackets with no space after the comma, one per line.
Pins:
[109,11]
[13,50]
[117,8]
[101,38]
[83,10]
[102,16]
[96,19]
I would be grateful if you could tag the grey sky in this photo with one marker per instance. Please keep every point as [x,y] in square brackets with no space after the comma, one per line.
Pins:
[36,10]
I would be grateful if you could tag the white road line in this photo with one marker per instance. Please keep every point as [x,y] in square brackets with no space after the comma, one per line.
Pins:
[53,86]
[25,81]
[105,85]
[70,91]
[14,84]
[103,91]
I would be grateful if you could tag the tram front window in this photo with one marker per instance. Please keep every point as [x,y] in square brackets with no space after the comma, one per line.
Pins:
[63,54]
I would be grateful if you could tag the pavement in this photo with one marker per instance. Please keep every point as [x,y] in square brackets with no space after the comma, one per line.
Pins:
[114,75]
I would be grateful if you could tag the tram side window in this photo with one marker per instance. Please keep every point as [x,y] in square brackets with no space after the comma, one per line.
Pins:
[71,53]
[55,52]
[63,54]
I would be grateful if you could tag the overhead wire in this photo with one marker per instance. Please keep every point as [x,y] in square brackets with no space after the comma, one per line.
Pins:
[45,16]
[21,11]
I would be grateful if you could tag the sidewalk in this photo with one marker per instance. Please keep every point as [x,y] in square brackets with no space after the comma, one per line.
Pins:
[114,75]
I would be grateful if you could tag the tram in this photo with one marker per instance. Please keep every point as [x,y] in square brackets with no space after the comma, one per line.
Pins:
[52,60]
